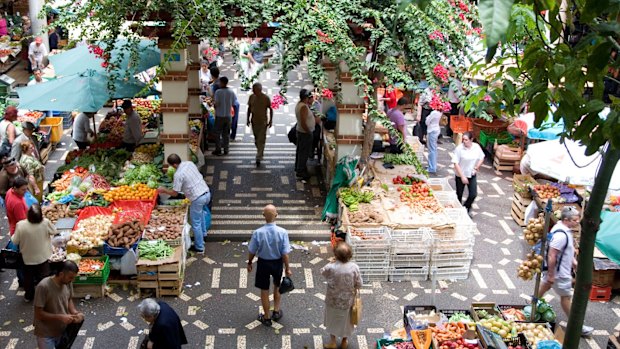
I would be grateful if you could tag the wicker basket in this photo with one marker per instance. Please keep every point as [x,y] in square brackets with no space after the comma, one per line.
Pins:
[496,126]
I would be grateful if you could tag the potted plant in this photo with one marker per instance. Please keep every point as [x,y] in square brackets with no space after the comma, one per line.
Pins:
[482,105]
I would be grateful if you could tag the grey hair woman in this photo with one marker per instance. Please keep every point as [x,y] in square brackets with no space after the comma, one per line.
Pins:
[166,329]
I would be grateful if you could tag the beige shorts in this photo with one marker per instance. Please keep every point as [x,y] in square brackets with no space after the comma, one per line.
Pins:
[562,286]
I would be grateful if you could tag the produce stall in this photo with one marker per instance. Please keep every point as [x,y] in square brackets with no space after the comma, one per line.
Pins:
[118,228]
[403,226]
[483,325]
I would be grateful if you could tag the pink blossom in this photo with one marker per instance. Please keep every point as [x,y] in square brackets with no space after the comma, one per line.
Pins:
[487,98]
[277,101]
[436,35]
[463,6]
[441,72]
[437,103]
[327,93]
[462,16]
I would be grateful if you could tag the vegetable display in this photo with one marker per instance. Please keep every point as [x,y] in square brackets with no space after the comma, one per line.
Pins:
[546,191]
[124,234]
[512,314]
[407,180]
[494,323]
[90,232]
[404,159]
[353,197]
[366,213]
[165,224]
[544,312]
[89,266]
[55,211]
[535,333]
[147,173]
[154,250]
[451,332]
[421,201]
[460,317]
[399,345]
[360,235]
[534,230]
[530,267]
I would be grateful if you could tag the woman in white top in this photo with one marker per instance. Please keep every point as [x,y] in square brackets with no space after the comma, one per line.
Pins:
[468,157]
[205,76]
[432,134]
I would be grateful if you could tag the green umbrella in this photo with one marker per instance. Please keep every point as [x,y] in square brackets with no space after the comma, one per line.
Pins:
[81,58]
[86,92]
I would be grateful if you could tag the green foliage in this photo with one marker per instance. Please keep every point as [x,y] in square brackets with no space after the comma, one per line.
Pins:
[495,16]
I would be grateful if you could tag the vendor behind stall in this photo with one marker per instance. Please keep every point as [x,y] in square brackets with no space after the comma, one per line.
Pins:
[16,150]
[397,117]
[81,129]
[37,78]
[133,127]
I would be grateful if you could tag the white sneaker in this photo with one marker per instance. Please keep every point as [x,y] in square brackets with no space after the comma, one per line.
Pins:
[586,331]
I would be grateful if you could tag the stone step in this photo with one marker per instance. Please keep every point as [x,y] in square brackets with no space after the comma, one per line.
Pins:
[216,234]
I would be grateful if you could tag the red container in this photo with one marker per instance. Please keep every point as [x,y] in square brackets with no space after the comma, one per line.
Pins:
[460,124]
[600,294]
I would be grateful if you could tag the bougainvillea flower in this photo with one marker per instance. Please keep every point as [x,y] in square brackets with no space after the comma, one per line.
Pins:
[327,93]
[441,72]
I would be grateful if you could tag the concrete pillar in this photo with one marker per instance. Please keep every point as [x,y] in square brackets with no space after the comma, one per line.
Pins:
[174,106]
[38,24]
[195,110]
[349,125]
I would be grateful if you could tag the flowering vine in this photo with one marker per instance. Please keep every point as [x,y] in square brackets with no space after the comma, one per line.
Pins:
[441,72]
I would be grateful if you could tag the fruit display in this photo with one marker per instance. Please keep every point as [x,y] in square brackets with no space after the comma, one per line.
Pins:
[139,191]
[530,267]
[418,189]
[31,116]
[124,234]
[567,194]
[407,180]
[460,317]
[353,197]
[149,149]
[399,345]
[533,232]
[535,333]
[496,324]
[420,200]
[90,232]
[546,191]
[458,344]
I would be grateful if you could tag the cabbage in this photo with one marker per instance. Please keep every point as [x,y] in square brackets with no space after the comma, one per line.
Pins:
[543,307]
[549,315]
[171,171]
[152,184]
[527,311]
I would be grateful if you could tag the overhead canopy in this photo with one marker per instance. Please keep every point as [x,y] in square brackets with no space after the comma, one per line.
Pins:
[567,162]
[80,58]
[86,92]
[608,236]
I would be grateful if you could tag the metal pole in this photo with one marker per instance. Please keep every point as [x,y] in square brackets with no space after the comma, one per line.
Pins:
[433,285]
[543,243]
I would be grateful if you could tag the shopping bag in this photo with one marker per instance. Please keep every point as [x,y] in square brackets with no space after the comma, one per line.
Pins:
[30,199]
[69,335]
[356,310]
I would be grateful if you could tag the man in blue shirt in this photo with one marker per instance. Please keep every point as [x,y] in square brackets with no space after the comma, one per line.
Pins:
[271,245]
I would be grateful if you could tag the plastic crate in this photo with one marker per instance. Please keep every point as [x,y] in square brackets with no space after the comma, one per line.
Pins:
[411,241]
[460,124]
[409,260]
[56,124]
[447,199]
[462,240]
[382,343]
[117,251]
[381,241]
[450,273]
[96,278]
[419,310]
[408,274]
[372,261]
[374,275]
[452,259]
[600,294]
[439,184]
[487,137]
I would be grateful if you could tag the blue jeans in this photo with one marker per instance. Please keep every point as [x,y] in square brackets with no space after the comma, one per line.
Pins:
[432,150]
[235,121]
[197,220]
[47,342]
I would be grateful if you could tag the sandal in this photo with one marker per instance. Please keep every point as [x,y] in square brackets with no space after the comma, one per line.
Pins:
[266,322]
[276,315]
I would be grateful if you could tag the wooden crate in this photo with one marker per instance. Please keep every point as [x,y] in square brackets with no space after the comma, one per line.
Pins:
[148,288]
[503,165]
[171,271]
[83,290]
[521,202]
[518,216]
[519,183]
[170,287]
[147,272]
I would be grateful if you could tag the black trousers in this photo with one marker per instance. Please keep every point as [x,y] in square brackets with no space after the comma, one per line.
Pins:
[32,275]
[472,188]
[420,129]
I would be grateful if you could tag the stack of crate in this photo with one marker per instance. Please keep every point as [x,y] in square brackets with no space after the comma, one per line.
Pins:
[522,197]
[410,254]
[165,279]
[371,252]
[92,284]
[453,250]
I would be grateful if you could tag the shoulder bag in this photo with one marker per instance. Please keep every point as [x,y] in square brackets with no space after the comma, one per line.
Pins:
[356,309]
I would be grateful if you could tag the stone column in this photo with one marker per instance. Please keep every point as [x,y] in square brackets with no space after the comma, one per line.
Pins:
[174,106]
[193,82]
[38,24]
[349,126]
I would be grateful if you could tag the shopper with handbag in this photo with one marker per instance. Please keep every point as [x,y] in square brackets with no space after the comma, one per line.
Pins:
[342,302]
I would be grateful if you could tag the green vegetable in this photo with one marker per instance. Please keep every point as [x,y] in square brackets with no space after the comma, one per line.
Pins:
[154,250]
[460,317]
[170,173]
[549,315]
[147,173]
[353,197]
[405,159]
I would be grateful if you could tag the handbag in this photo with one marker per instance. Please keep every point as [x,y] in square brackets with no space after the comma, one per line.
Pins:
[69,335]
[443,121]
[10,259]
[356,309]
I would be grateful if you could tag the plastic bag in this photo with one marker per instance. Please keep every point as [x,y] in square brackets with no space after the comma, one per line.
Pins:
[546,344]
[186,238]
[128,263]
[30,199]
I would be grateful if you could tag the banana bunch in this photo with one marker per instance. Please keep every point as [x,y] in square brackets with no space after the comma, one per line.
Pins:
[352,198]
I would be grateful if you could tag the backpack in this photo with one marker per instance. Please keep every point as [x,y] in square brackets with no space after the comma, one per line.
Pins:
[536,249]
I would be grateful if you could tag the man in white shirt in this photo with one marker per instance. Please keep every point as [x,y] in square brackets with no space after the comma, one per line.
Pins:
[38,79]
[36,53]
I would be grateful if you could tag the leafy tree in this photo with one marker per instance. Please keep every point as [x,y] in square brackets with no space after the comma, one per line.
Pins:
[569,70]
